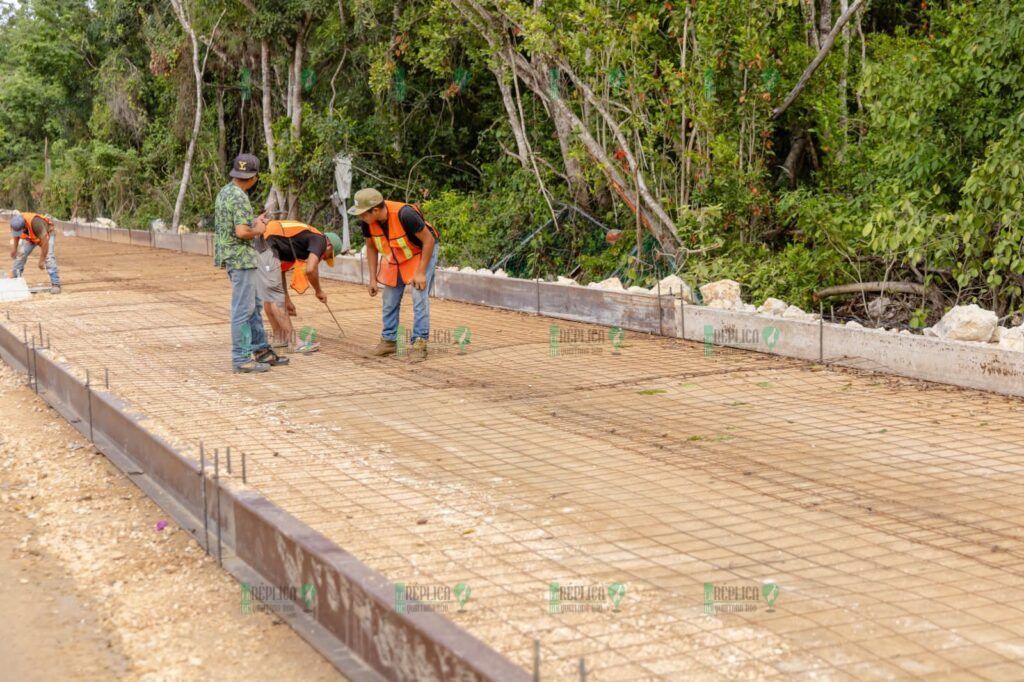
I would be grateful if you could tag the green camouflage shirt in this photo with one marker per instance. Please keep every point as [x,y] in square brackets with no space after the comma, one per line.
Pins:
[232,208]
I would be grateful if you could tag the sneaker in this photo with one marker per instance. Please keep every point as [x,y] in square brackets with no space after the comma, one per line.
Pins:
[55,289]
[251,366]
[279,344]
[419,351]
[306,347]
[269,357]
[383,349]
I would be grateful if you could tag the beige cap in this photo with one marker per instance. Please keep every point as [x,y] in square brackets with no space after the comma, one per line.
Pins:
[365,200]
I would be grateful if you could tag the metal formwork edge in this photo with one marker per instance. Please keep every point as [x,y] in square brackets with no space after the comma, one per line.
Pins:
[352,622]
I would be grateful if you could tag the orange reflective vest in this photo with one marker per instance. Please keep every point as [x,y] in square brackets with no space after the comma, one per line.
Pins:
[29,233]
[400,254]
[289,229]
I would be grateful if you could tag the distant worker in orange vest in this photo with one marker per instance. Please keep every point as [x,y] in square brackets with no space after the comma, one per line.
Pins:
[407,246]
[29,230]
[290,242]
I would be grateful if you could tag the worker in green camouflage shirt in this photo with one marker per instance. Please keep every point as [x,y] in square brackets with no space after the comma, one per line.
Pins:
[233,250]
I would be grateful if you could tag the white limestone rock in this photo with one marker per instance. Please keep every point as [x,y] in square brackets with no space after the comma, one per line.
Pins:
[854,324]
[500,273]
[1012,339]
[468,270]
[796,313]
[906,332]
[484,271]
[746,308]
[639,290]
[772,306]
[967,323]
[105,222]
[724,294]
[929,331]
[672,285]
[566,280]
[610,284]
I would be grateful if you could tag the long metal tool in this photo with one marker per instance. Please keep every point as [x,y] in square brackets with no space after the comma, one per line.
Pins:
[334,318]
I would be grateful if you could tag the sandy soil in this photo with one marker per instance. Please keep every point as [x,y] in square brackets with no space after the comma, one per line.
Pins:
[91,590]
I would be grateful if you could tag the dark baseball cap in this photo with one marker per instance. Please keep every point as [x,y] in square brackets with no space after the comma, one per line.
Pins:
[17,224]
[245,167]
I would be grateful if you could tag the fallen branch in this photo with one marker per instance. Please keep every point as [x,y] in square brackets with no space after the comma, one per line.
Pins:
[873,287]
[816,62]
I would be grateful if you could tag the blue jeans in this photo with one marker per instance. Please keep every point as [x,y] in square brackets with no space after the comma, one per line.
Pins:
[26,247]
[392,303]
[247,333]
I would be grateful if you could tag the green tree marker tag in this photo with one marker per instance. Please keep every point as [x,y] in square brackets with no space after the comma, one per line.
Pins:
[616,591]
[770,336]
[308,334]
[462,592]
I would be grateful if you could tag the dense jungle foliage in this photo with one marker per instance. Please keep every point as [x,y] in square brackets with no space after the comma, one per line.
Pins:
[572,137]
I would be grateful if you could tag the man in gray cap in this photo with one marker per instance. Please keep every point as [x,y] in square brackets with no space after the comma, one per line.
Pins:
[235,228]
[407,244]
[29,230]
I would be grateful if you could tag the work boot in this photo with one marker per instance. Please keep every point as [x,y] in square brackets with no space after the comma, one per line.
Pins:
[250,366]
[55,289]
[383,349]
[419,351]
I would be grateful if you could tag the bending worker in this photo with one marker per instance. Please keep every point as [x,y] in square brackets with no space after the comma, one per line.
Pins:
[292,242]
[408,244]
[29,230]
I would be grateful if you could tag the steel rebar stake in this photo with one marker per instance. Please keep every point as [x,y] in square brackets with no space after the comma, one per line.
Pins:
[583,670]
[228,453]
[202,493]
[88,394]
[106,378]
[821,333]
[536,660]
[216,479]
[661,329]
[243,468]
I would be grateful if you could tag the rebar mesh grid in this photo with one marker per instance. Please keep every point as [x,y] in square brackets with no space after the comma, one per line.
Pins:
[886,510]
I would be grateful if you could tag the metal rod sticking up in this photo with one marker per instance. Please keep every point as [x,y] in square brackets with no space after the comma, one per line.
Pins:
[536,660]
[202,487]
[88,391]
[243,468]
[583,670]
[106,378]
[228,453]
[216,478]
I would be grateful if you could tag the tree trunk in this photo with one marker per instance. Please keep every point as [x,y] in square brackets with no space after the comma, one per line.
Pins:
[222,139]
[274,197]
[509,102]
[197,72]
[824,21]
[295,78]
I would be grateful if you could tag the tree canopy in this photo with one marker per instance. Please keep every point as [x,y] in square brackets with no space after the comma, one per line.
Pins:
[788,144]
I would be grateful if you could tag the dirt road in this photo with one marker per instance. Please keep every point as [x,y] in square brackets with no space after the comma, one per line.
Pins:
[91,590]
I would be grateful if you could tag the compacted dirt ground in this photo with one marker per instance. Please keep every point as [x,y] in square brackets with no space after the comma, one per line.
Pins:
[661,509]
[91,590]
